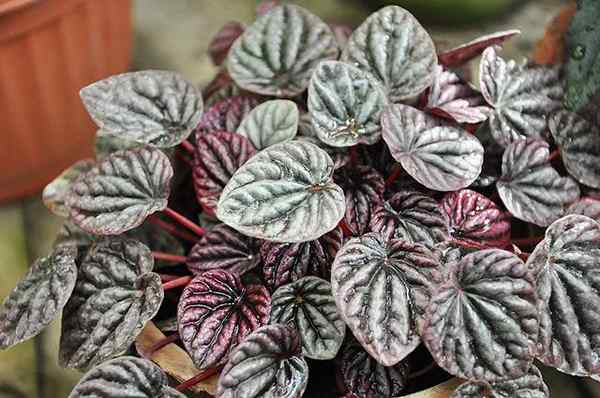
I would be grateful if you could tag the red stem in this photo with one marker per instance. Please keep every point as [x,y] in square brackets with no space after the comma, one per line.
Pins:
[353,155]
[173,258]
[170,228]
[185,159]
[345,228]
[183,221]
[196,379]
[175,283]
[162,343]
[166,278]
[555,154]
[185,144]
[532,241]
[396,172]
[524,256]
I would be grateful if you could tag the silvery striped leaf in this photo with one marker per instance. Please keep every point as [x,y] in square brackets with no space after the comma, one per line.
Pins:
[270,123]
[530,385]
[55,192]
[586,206]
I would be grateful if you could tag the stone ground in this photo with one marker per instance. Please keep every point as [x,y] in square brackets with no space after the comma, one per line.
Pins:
[174,35]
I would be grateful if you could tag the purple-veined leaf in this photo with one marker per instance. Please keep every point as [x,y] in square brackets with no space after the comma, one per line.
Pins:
[521,96]
[277,53]
[482,321]
[270,123]
[586,206]
[38,297]
[152,107]
[439,156]
[223,40]
[454,99]
[308,306]
[530,188]
[464,53]
[55,193]
[381,289]
[120,191]
[217,157]
[107,143]
[363,188]
[287,262]
[268,363]
[125,377]
[579,143]
[530,385]
[216,312]
[115,295]
[285,193]
[475,220]
[364,377]
[226,115]
[393,46]
[224,248]
[566,265]
[345,104]
[411,216]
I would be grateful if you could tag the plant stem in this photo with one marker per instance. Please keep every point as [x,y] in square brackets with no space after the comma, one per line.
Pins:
[170,228]
[162,343]
[524,256]
[555,154]
[396,172]
[196,379]
[532,241]
[421,372]
[345,228]
[183,221]
[173,258]
[353,152]
[167,278]
[185,144]
[175,283]
[185,160]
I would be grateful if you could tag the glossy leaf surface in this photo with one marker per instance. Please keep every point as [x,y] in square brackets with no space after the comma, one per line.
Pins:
[55,193]
[530,385]
[270,123]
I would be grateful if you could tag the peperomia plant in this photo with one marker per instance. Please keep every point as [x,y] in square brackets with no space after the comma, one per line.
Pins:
[348,216]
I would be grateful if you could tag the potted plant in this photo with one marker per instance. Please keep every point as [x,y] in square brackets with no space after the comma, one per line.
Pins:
[334,215]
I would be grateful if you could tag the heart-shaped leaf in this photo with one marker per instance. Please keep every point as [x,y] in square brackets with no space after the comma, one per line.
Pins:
[120,191]
[226,115]
[38,297]
[482,322]
[285,193]
[345,104]
[393,46]
[364,377]
[216,312]
[530,385]
[217,157]
[411,216]
[522,97]
[363,188]
[380,289]
[107,143]
[579,143]
[464,53]
[287,262]
[270,123]
[530,188]
[55,193]
[219,46]
[268,363]
[115,295]
[586,206]
[566,265]
[151,107]
[308,306]
[277,53]
[441,157]
[224,248]
[125,377]
[475,220]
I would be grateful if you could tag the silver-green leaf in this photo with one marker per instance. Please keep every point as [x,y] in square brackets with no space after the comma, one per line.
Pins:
[55,193]
[270,123]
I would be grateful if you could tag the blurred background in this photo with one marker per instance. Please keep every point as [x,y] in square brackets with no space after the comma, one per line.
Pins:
[49,49]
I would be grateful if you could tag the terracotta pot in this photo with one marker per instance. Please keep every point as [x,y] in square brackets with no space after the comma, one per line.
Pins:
[49,49]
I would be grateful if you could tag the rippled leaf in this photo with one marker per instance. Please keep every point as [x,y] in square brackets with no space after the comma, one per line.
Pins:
[151,107]
[125,377]
[393,46]
[219,46]
[277,53]
[120,191]
[464,53]
[530,385]
[285,193]
[441,157]
[71,235]
[115,295]
[38,297]
[216,312]
[287,262]
[522,97]
[579,143]
[270,123]
[217,157]
[586,206]
[268,363]
[107,143]
[226,115]
[308,306]
[381,289]
[345,104]
[530,188]
[224,248]
[482,322]
[411,216]
[55,193]
[475,220]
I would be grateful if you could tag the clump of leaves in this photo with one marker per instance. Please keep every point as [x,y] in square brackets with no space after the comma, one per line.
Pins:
[332,210]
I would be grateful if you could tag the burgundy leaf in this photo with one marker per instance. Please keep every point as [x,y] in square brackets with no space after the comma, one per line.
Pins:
[475,220]
[216,158]
[586,206]
[482,322]
[363,187]
[464,53]
[221,43]
[530,385]
[226,115]
[224,248]
[216,312]
[287,262]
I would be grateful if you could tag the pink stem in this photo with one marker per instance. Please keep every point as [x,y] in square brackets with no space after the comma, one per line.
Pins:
[170,228]
[175,283]
[555,154]
[167,278]
[185,160]
[183,221]
[173,258]
[162,343]
[185,144]
[196,379]
[396,172]
[528,241]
